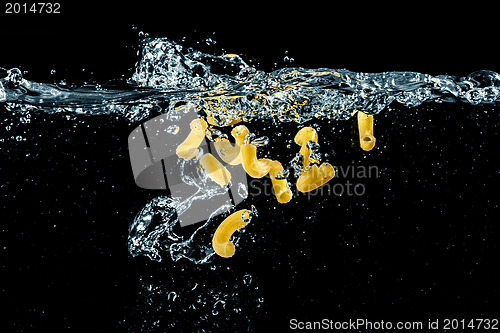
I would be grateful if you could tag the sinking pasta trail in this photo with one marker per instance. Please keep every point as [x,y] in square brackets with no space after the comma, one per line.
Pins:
[310,172]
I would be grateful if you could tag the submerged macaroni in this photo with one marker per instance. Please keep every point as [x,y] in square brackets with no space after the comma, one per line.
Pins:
[256,168]
[221,241]
[280,185]
[312,176]
[365,128]
[189,147]
[215,170]
[305,135]
[315,177]
[229,153]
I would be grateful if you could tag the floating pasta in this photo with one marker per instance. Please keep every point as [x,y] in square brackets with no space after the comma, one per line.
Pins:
[189,147]
[221,241]
[280,185]
[215,170]
[314,177]
[231,154]
[365,128]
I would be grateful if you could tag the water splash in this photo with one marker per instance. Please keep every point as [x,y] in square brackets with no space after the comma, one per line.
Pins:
[231,89]
[156,228]
[227,88]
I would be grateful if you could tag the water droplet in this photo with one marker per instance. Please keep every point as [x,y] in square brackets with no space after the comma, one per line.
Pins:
[247,279]
[172,296]
[218,306]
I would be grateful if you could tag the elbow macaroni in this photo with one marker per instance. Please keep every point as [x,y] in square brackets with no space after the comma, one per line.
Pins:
[305,135]
[365,128]
[221,240]
[312,176]
[256,168]
[189,147]
[280,186]
[229,153]
[315,177]
[215,170]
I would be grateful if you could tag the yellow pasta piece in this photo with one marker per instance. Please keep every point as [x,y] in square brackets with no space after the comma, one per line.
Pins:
[305,135]
[365,128]
[256,168]
[229,153]
[315,177]
[216,171]
[239,133]
[189,147]
[234,222]
[280,186]
[312,176]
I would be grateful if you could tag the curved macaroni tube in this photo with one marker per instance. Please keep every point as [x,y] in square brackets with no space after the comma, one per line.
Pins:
[280,186]
[216,171]
[365,128]
[256,168]
[315,177]
[189,147]
[234,222]
[239,133]
[305,135]
[229,153]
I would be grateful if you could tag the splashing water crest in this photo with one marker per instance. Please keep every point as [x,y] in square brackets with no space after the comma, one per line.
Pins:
[227,89]
[155,229]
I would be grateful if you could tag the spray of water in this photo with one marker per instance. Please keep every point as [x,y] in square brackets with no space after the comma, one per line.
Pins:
[227,88]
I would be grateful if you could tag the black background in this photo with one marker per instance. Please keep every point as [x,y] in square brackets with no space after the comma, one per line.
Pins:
[371,38]
[421,244]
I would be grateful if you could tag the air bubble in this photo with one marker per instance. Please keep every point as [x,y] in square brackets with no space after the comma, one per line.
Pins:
[247,279]
[218,306]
